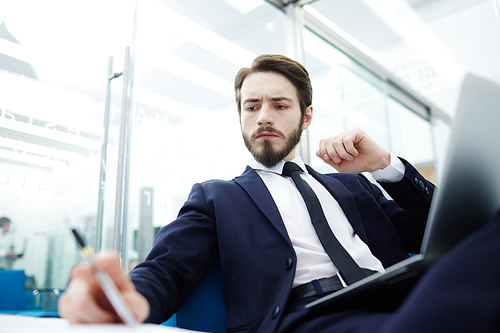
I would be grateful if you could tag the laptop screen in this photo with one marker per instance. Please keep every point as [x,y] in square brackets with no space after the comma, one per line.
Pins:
[469,194]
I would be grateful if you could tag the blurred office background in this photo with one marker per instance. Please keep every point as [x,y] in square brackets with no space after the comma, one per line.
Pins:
[110,110]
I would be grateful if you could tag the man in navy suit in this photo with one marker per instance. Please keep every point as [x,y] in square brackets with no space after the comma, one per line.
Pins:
[258,228]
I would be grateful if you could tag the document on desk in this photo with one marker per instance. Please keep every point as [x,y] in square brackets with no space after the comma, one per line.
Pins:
[26,324]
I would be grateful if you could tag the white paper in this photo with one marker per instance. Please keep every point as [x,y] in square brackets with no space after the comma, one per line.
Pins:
[27,324]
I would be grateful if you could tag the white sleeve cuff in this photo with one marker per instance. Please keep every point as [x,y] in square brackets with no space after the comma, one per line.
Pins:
[393,173]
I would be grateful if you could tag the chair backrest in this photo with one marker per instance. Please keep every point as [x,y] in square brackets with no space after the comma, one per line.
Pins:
[205,309]
[11,290]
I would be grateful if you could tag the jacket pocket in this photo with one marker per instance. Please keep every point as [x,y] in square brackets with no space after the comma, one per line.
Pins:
[362,197]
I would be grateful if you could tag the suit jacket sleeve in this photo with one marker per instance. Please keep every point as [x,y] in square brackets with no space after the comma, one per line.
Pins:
[182,253]
[413,194]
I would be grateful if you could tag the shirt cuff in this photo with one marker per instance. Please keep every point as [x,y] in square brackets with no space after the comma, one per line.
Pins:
[393,173]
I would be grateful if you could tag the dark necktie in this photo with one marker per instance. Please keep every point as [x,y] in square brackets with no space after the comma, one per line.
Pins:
[348,268]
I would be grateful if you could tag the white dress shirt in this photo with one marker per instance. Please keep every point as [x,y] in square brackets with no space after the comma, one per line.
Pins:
[312,260]
[6,244]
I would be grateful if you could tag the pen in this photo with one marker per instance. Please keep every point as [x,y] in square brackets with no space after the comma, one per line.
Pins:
[108,286]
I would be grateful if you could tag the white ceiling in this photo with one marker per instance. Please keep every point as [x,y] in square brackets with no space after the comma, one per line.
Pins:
[429,44]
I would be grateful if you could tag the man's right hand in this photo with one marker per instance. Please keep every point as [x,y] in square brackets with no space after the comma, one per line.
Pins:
[353,152]
[84,301]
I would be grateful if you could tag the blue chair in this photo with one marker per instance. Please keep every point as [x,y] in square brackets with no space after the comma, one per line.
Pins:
[205,310]
[11,290]
[14,297]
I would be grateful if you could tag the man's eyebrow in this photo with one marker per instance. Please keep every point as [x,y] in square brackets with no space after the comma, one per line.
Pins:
[281,98]
[251,100]
[274,99]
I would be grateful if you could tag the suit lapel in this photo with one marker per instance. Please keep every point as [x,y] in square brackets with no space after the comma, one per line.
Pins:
[253,185]
[251,182]
[345,200]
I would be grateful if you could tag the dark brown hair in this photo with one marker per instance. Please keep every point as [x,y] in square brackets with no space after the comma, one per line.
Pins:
[3,221]
[291,69]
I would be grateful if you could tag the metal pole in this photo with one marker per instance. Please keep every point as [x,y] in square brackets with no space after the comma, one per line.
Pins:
[295,17]
[126,175]
[122,157]
[104,149]
[130,102]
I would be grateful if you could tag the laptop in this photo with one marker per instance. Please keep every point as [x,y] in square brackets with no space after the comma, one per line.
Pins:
[468,197]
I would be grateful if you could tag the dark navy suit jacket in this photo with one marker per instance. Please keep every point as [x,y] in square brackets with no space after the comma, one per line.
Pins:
[238,223]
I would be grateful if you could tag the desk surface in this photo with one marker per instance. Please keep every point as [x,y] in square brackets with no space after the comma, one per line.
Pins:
[26,324]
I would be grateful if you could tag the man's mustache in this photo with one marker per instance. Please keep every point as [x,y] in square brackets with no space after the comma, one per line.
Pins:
[269,129]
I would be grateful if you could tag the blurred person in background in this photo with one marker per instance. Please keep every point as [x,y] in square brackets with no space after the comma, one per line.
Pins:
[7,254]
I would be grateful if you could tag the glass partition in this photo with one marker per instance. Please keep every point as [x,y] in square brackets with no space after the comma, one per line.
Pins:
[347,96]
[441,133]
[411,138]
[53,65]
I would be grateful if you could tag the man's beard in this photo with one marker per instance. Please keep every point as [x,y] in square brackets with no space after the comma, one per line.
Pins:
[267,155]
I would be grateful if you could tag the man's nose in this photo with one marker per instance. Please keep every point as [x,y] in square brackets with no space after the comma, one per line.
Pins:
[265,116]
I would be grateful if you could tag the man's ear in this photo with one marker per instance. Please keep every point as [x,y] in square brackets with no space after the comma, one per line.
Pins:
[307,117]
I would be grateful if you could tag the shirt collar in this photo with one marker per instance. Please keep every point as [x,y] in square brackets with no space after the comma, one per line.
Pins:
[278,168]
